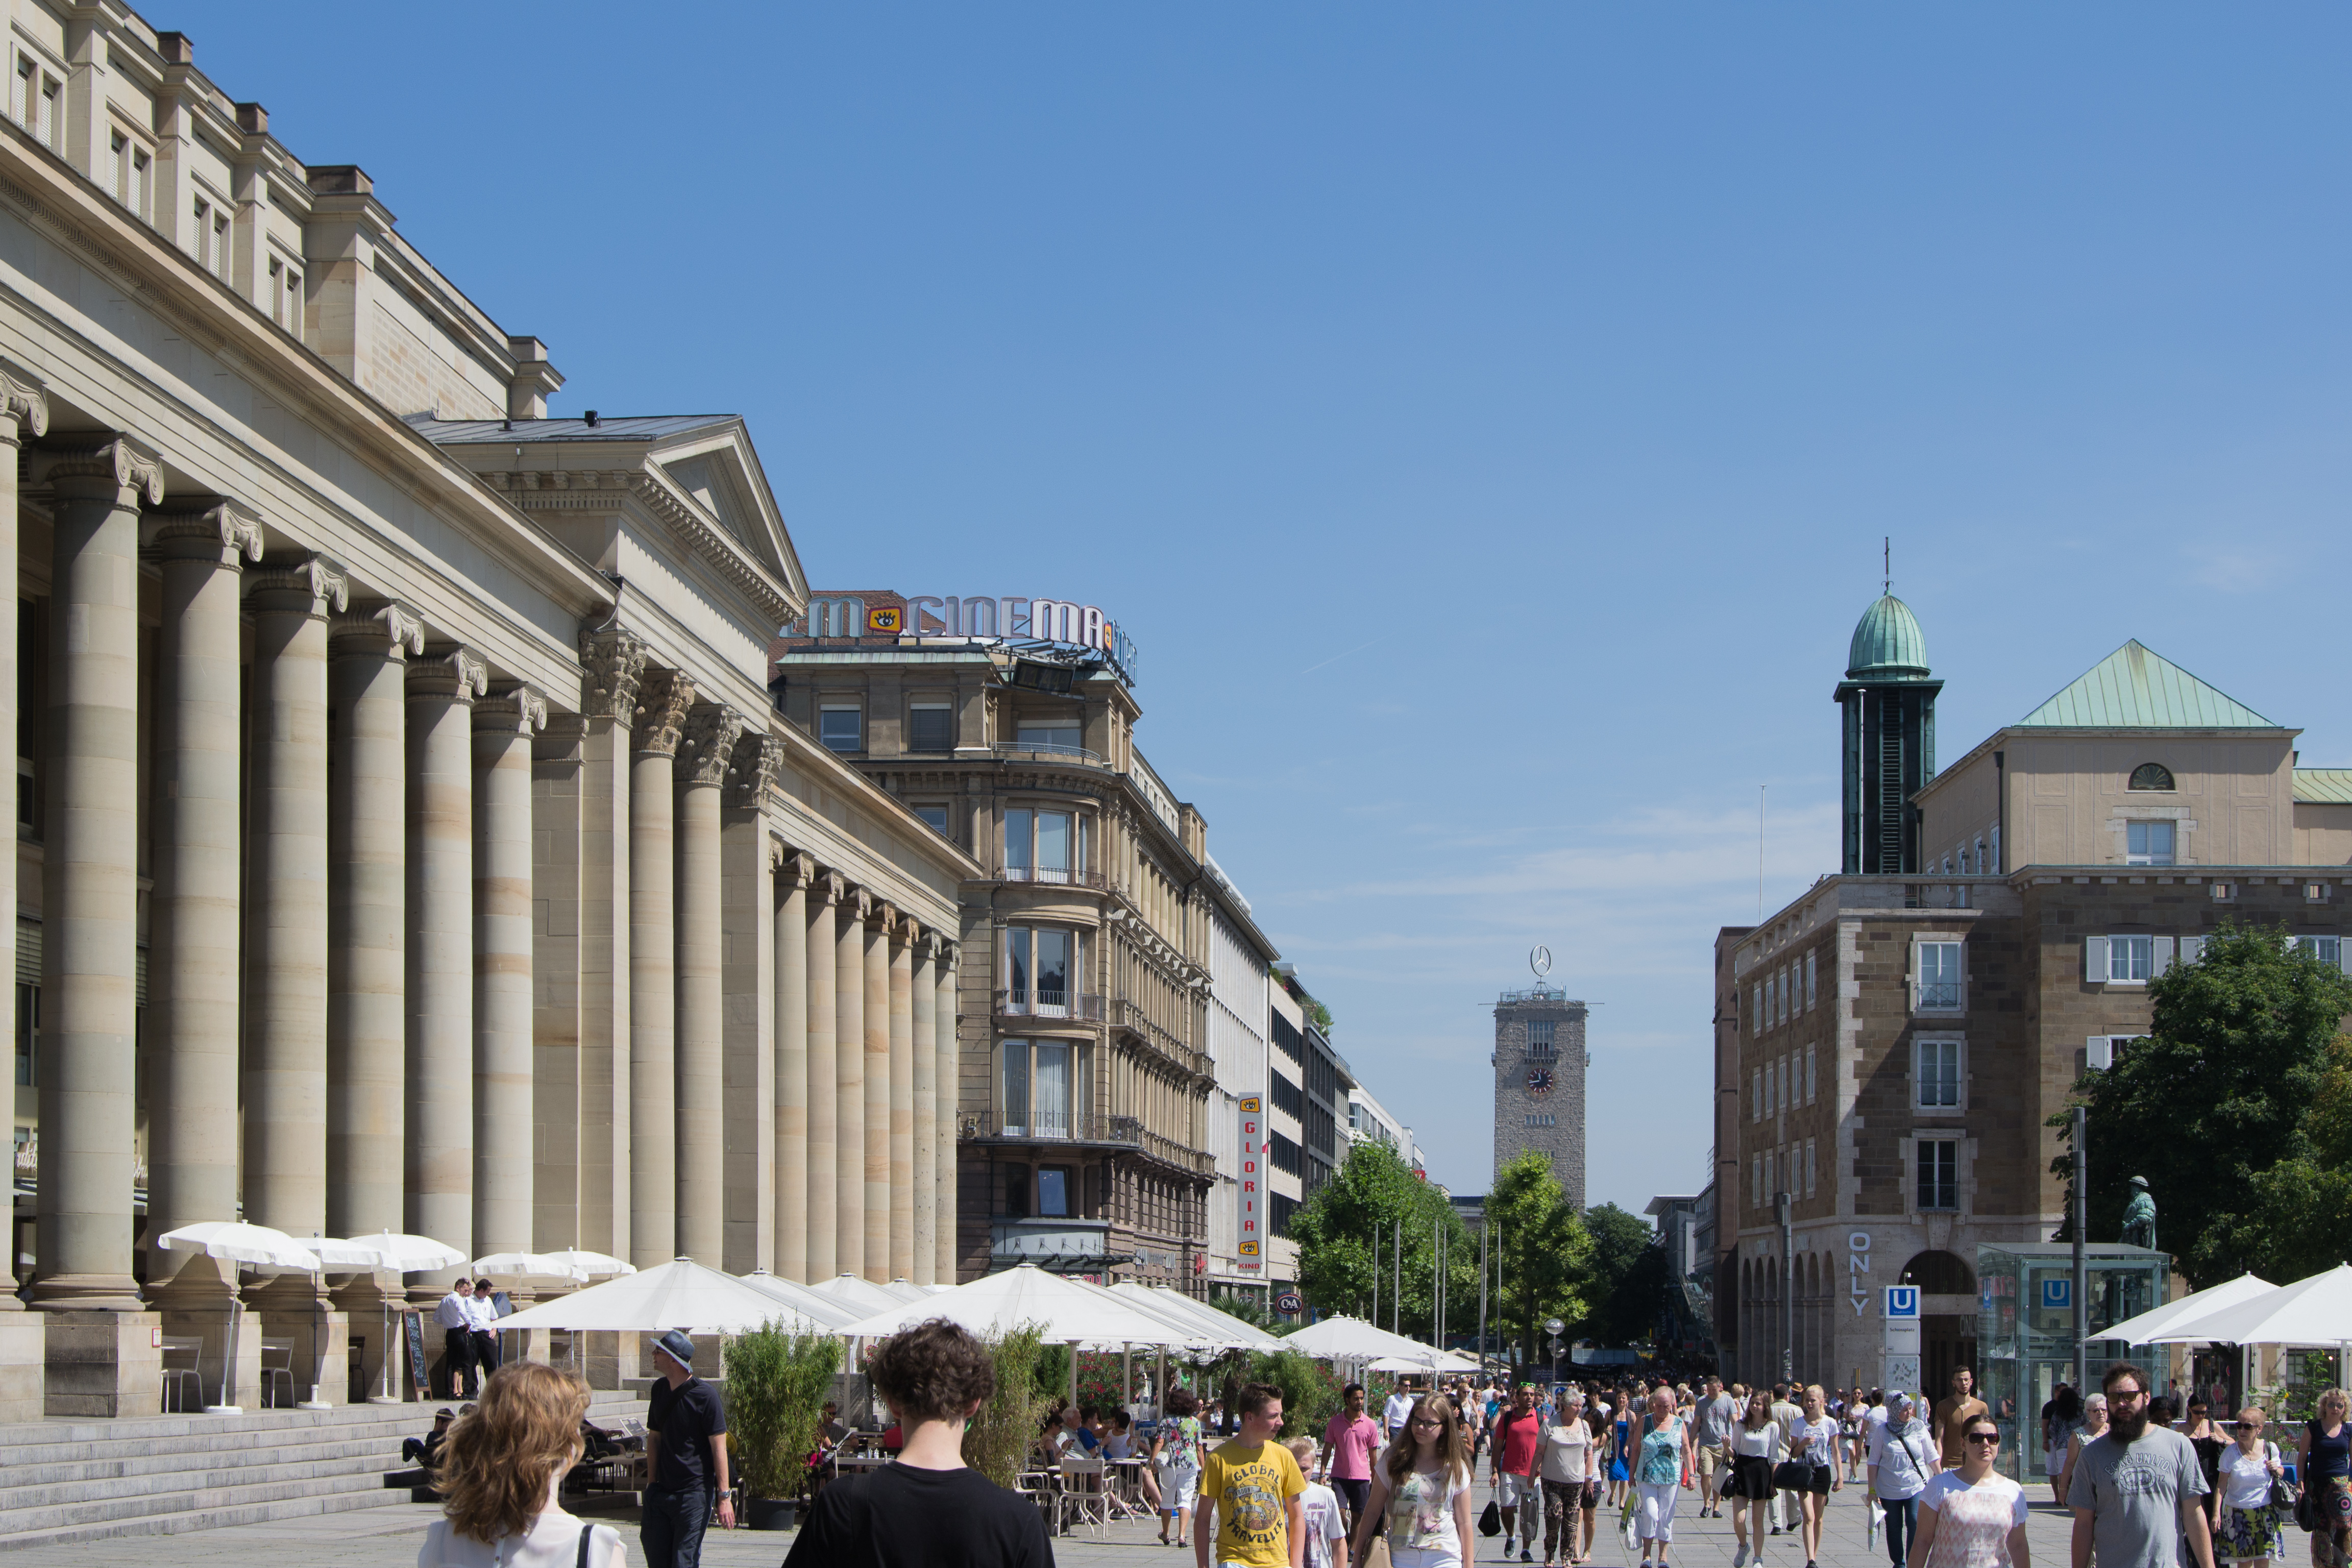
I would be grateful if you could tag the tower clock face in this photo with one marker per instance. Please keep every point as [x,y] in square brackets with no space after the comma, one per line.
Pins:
[1539,1081]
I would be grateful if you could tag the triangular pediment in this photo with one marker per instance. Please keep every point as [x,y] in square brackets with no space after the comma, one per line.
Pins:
[2137,689]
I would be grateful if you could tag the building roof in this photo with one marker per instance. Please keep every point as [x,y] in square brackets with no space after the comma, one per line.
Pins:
[2324,787]
[1887,644]
[638,428]
[2134,689]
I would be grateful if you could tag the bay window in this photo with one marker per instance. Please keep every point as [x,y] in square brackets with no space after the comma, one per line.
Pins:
[1043,1088]
[1042,967]
[1045,845]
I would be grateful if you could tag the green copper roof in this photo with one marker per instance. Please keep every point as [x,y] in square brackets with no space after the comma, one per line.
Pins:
[2324,787]
[2133,689]
[1887,644]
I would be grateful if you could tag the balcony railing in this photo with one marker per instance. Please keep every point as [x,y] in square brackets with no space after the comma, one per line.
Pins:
[1058,876]
[1939,997]
[1047,751]
[1082,1128]
[1130,1018]
[1032,1001]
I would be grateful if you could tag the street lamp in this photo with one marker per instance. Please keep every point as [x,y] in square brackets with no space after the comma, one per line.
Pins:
[1553,1327]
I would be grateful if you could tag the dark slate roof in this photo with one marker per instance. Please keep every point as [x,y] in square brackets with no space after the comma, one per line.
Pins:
[637,427]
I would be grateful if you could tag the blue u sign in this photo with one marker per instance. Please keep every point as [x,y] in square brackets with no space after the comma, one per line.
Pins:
[1902,1301]
[2057,1295]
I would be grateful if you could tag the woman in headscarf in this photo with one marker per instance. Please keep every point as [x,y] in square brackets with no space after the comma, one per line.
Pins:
[1903,1459]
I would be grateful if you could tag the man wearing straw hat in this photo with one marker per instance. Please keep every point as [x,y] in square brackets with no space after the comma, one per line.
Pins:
[686,1432]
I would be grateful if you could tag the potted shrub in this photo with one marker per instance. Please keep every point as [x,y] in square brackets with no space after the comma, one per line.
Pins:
[997,1442]
[776,1385]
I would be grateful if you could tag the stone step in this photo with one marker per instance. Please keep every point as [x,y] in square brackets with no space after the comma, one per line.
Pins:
[192,1518]
[370,1460]
[189,1498]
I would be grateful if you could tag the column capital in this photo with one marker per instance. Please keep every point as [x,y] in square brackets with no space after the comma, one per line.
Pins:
[931,946]
[312,586]
[458,673]
[753,770]
[663,698]
[223,532]
[391,625]
[828,887]
[794,870]
[87,464]
[882,916]
[706,742]
[24,404]
[612,663]
[517,709]
[857,902]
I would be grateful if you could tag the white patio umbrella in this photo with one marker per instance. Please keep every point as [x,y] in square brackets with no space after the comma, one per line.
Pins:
[397,1252]
[1429,1361]
[2144,1329]
[862,1294]
[682,1294]
[594,1265]
[2314,1311]
[831,1310]
[1068,1311]
[233,1241]
[1352,1339]
[525,1265]
[1215,1328]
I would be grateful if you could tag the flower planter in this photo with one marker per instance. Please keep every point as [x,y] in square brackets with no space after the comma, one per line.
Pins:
[771,1513]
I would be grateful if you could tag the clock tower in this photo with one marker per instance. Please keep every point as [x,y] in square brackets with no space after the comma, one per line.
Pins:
[1539,1063]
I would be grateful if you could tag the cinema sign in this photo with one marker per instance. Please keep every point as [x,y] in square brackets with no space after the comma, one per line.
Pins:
[1062,623]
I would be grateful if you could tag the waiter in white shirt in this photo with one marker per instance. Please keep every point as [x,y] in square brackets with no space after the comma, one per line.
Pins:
[487,1350]
[1398,1409]
[455,1317]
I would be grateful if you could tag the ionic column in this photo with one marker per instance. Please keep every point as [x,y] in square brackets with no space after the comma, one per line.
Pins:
[923,1147]
[950,1087]
[879,928]
[707,742]
[849,1081]
[793,879]
[89,898]
[441,690]
[24,410]
[192,969]
[826,894]
[903,936]
[653,985]
[367,916]
[503,727]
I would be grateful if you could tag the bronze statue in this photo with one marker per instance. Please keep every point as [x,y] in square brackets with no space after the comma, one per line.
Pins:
[2139,1217]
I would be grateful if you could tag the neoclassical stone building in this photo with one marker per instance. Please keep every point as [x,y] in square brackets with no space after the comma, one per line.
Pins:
[406,837]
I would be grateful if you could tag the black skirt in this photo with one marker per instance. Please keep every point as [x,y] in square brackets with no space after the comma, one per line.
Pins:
[1751,1478]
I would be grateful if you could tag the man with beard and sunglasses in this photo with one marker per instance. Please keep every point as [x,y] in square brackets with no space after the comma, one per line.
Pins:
[2135,1489]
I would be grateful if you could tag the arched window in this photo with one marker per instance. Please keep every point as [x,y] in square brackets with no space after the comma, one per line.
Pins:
[1938,1274]
[2151,775]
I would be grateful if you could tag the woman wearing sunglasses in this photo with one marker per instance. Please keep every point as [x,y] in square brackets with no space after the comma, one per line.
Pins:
[1973,1517]
[2249,1529]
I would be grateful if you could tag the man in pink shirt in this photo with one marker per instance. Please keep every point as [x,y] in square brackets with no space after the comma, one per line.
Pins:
[1349,1441]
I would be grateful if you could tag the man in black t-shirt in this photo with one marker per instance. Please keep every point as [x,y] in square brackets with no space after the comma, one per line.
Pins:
[685,1430]
[926,1507]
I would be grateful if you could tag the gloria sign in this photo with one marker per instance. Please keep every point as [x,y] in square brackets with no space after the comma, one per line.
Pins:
[1251,1253]
[1062,622]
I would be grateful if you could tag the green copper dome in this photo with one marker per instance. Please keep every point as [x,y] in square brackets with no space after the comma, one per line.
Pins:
[1887,644]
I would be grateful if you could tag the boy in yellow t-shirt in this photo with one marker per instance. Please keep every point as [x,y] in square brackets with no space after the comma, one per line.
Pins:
[1252,1490]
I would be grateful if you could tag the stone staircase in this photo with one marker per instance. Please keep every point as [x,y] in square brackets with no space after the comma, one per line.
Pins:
[64,1481]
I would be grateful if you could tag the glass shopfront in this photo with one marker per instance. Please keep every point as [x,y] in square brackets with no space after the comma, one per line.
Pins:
[2025,1330]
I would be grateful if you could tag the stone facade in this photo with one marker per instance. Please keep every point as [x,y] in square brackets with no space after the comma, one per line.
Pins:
[1539,1087]
[408,842]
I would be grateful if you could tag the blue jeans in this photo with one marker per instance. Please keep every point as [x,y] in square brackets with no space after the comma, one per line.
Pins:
[672,1529]
[1902,1524]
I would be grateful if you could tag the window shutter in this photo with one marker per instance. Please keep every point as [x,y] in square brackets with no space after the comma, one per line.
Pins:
[2192,948]
[2094,958]
[2161,956]
[2098,1051]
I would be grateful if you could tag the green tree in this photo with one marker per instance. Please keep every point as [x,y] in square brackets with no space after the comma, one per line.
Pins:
[2302,1214]
[776,1385]
[1546,1253]
[2212,1100]
[1374,1199]
[999,1437]
[1624,1294]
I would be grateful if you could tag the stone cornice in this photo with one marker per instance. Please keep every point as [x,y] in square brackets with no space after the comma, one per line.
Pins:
[390,627]
[707,742]
[314,587]
[24,404]
[225,533]
[752,772]
[604,489]
[458,674]
[517,709]
[87,464]
[663,698]
[613,665]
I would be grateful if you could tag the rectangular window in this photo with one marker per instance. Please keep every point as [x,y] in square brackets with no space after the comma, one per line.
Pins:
[1808,1167]
[1808,1075]
[1809,982]
[1755,1181]
[142,184]
[1283,1152]
[1053,736]
[1939,1173]
[220,246]
[1054,1192]
[1541,1036]
[1049,1113]
[1755,1007]
[1938,965]
[1016,1192]
[1768,1187]
[23,91]
[2131,958]
[1995,849]
[1043,846]
[930,727]
[2147,844]
[1755,1095]
[937,815]
[1012,1089]
[840,728]
[1285,1096]
[2329,949]
[28,1034]
[200,234]
[1935,1075]
[1279,1207]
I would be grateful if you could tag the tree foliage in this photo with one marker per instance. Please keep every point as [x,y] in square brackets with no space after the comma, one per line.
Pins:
[1375,1198]
[1627,1293]
[1546,1253]
[998,1439]
[2225,1090]
[776,1386]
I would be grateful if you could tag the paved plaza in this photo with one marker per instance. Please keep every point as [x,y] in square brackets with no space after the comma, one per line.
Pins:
[388,1537]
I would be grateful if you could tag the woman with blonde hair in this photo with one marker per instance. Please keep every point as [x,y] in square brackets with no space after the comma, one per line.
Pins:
[501,1467]
[1422,1487]
[2323,1462]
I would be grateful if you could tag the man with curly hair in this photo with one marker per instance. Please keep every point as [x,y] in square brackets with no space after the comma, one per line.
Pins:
[928,1507]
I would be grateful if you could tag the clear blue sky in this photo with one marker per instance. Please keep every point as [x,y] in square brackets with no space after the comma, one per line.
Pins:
[1483,419]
